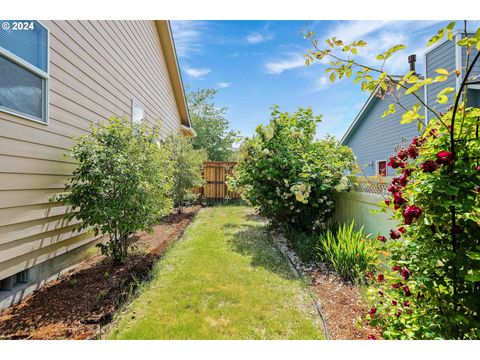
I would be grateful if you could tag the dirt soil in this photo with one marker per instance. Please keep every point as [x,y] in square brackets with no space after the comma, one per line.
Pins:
[81,302]
[342,305]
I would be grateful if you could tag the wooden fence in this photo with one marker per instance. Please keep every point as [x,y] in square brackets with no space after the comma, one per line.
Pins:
[215,174]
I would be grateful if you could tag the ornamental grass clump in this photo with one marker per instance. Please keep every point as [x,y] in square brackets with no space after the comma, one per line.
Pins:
[350,252]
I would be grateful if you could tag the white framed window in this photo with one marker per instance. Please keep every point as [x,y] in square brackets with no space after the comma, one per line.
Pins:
[24,69]
[138,112]
[381,168]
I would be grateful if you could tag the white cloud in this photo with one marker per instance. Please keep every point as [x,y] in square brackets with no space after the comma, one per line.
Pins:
[198,73]
[222,85]
[321,83]
[256,38]
[187,35]
[291,62]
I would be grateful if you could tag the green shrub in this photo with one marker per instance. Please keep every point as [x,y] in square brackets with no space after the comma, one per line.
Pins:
[291,176]
[350,252]
[122,183]
[187,168]
[304,244]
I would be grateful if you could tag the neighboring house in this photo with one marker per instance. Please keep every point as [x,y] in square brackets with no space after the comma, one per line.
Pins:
[56,79]
[373,139]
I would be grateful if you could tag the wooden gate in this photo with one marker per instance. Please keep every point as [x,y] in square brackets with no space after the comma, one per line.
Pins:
[215,174]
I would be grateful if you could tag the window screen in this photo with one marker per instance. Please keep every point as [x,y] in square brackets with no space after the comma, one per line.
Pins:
[21,90]
[28,43]
[24,69]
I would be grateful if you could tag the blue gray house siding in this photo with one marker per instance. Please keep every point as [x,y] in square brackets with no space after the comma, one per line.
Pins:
[443,56]
[375,138]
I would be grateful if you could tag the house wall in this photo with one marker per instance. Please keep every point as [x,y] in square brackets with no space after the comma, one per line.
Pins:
[443,56]
[375,138]
[96,69]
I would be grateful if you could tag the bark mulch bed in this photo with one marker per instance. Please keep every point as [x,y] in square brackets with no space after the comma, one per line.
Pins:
[81,302]
[340,301]
[342,305]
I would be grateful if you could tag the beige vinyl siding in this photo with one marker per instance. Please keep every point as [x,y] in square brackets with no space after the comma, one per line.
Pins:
[96,69]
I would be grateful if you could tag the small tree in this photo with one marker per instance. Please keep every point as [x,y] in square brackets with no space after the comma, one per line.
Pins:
[212,128]
[122,183]
[187,167]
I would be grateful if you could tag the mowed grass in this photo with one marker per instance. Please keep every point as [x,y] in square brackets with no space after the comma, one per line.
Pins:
[223,280]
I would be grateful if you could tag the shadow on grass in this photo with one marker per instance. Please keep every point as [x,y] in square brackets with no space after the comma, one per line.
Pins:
[254,241]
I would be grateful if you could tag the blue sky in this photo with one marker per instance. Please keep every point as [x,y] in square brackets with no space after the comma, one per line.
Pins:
[255,64]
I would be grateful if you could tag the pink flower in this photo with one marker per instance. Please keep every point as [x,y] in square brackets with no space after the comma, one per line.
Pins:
[381,238]
[444,158]
[428,166]
[372,337]
[388,201]
[395,234]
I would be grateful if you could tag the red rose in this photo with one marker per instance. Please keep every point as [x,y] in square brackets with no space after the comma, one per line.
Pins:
[444,158]
[402,154]
[372,311]
[407,290]
[396,268]
[393,188]
[372,337]
[398,199]
[397,285]
[399,312]
[381,238]
[412,151]
[380,277]
[405,273]
[411,213]
[395,234]
[406,303]
[394,303]
[428,166]
[402,229]
[388,201]
[395,162]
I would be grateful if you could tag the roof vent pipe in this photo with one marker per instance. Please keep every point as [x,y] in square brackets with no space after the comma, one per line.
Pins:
[411,60]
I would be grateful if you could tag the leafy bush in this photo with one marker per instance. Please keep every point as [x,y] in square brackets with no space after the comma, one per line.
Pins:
[304,244]
[289,174]
[187,166]
[349,251]
[122,183]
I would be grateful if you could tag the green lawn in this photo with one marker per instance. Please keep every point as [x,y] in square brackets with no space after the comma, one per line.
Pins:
[223,280]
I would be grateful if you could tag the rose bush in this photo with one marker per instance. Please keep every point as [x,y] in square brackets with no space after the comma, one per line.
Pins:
[291,176]
[433,289]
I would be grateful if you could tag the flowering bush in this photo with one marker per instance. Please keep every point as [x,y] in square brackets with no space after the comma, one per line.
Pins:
[432,289]
[437,257]
[289,174]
